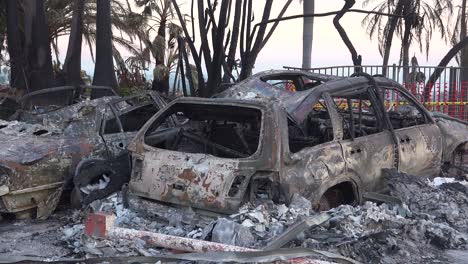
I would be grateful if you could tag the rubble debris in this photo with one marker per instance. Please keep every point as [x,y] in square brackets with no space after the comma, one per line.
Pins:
[296,229]
[416,231]
[228,232]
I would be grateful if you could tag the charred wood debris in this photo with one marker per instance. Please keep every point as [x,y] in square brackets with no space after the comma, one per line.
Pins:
[74,184]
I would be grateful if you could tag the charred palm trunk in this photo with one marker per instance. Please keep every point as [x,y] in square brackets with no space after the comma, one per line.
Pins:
[252,51]
[104,68]
[231,56]
[357,60]
[37,46]
[15,47]
[214,79]
[72,64]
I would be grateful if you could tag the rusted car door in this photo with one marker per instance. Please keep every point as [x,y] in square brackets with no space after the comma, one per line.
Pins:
[420,139]
[368,146]
[313,154]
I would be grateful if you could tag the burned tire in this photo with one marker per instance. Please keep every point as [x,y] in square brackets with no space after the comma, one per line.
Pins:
[97,179]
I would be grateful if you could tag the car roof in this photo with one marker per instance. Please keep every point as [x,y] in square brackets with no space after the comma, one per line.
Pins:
[256,87]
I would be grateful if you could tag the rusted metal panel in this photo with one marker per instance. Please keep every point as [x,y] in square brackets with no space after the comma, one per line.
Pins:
[198,180]
[312,170]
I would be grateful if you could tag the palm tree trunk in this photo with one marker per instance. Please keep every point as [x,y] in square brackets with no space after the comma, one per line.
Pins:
[163,83]
[15,49]
[104,68]
[72,64]
[307,34]
[37,44]
[389,36]
[405,45]
[464,51]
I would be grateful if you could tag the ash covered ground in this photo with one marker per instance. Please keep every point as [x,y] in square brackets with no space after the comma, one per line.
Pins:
[429,226]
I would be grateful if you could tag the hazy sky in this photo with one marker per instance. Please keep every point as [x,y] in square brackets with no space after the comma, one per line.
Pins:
[285,47]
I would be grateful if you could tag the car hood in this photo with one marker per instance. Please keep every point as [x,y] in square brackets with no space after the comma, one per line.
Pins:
[26,143]
[25,150]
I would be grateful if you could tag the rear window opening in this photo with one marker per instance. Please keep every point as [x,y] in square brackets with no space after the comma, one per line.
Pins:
[220,130]
[132,120]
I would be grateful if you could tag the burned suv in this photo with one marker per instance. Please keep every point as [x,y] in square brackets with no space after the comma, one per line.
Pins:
[68,145]
[329,144]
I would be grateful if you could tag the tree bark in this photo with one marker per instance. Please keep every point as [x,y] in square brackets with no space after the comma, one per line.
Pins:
[37,46]
[72,64]
[307,34]
[104,74]
[15,50]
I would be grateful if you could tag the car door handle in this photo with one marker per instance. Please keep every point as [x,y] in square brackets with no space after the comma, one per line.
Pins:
[356,151]
[405,140]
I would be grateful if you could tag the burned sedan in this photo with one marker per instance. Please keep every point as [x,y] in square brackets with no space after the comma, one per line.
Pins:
[329,144]
[56,148]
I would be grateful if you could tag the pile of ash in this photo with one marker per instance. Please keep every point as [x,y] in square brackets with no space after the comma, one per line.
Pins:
[429,225]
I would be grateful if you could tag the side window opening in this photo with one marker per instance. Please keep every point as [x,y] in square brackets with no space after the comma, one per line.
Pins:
[131,120]
[359,116]
[317,129]
[402,111]
[218,130]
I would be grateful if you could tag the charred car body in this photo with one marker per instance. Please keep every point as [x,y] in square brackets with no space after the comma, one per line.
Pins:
[57,146]
[329,143]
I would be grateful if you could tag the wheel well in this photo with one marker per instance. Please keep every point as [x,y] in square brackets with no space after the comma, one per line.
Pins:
[341,193]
